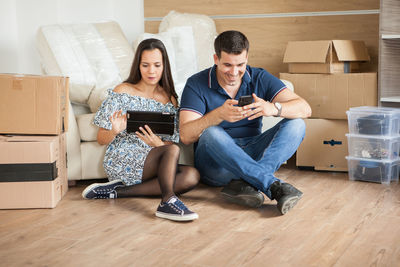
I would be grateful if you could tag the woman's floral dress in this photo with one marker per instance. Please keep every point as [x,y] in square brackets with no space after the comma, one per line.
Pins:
[125,155]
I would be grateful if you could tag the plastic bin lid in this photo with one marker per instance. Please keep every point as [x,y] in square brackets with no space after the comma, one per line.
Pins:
[377,110]
[374,161]
[367,136]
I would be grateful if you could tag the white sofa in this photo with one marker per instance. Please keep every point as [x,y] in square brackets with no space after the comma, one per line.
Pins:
[98,56]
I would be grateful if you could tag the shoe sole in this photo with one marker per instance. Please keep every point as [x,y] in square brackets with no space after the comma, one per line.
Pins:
[288,204]
[178,218]
[245,200]
[90,187]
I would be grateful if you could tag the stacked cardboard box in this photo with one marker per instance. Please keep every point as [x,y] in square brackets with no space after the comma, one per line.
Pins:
[33,122]
[324,74]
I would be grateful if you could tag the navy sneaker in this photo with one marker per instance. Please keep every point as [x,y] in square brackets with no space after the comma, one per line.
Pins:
[242,193]
[175,210]
[105,190]
[286,195]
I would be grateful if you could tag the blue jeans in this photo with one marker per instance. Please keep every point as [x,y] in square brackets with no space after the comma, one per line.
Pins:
[221,158]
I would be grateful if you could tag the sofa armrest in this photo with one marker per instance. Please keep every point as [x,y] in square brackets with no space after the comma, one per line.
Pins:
[74,162]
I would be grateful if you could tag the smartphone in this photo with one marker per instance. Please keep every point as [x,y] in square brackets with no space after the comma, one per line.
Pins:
[245,100]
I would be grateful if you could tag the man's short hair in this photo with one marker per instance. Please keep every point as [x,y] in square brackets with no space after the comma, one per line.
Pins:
[231,42]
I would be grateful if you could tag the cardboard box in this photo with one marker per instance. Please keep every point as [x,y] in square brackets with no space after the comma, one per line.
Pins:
[38,194]
[28,195]
[324,146]
[31,104]
[331,95]
[330,56]
[29,158]
[29,149]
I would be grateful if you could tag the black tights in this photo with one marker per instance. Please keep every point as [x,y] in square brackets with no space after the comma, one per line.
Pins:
[162,175]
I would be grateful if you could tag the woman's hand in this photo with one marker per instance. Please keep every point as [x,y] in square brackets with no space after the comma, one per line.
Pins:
[118,122]
[149,137]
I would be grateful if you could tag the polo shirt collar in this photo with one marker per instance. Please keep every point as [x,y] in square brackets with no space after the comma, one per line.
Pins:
[213,82]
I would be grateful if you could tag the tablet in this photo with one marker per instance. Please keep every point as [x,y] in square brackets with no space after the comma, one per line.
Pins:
[159,122]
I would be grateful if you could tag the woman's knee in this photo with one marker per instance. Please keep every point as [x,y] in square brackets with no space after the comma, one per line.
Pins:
[172,150]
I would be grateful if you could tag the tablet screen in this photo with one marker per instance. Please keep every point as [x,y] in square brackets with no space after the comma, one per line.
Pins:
[159,122]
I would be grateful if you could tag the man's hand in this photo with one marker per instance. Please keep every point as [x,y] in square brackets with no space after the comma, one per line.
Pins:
[149,137]
[259,108]
[118,122]
[231,113]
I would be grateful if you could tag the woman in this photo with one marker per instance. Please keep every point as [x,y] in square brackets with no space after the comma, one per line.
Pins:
[143,163]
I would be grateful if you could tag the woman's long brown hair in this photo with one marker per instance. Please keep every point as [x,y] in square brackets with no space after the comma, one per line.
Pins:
[166,81]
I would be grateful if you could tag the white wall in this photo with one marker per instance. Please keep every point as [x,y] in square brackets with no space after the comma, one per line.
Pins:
[20,20]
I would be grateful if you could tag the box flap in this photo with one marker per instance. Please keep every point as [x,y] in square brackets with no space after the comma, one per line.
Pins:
[348,50]
[306,52]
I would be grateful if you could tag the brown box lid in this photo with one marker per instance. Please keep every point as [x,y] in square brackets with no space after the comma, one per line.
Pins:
[325,51]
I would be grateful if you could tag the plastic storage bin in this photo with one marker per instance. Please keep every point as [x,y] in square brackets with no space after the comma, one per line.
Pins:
[373,146]
[377,171]
[374,120]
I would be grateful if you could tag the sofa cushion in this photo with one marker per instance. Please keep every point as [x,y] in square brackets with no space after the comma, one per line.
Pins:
[61,54]
[92,160]
[119,47]
[87,130]
[204,32]
[96,57]
[112,64]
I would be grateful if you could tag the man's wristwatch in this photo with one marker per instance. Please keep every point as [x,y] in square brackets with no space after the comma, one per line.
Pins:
[279,108]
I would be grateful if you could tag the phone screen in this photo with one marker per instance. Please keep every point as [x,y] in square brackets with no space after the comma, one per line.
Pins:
[245,100]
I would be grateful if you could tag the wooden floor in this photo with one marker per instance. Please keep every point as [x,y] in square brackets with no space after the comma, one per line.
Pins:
[337,223]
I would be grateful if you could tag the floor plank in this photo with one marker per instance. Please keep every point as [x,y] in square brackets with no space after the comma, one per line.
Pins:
[337,223]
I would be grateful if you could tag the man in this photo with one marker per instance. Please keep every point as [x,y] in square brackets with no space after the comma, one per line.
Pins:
[230,149]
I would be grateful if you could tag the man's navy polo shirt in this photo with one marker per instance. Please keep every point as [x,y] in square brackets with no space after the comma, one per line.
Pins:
[202,94]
